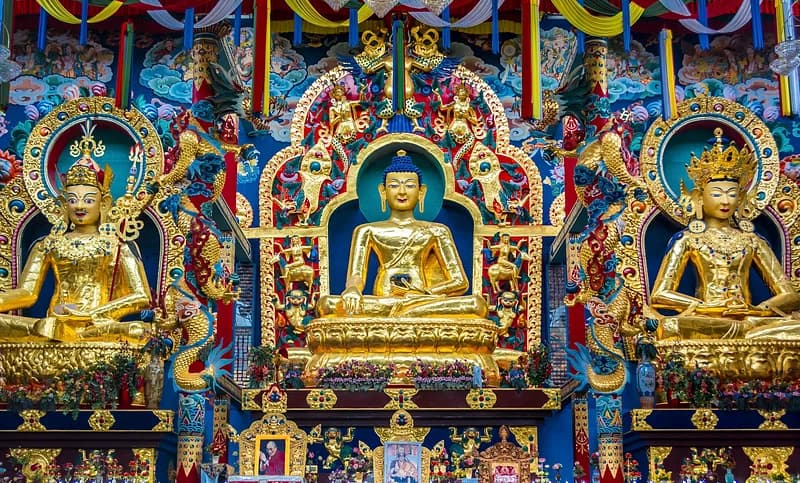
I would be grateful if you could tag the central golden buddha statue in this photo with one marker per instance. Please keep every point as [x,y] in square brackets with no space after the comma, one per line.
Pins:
[719,242]
[98,277]
[418,308]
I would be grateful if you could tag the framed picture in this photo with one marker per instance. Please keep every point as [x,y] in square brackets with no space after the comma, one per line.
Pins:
[402,462]
[272,455]
[505,472]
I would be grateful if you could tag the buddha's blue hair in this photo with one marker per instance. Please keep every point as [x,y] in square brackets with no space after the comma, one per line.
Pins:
[402,163]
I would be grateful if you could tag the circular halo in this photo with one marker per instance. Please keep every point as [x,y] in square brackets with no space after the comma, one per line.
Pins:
[737,122]
[54,132]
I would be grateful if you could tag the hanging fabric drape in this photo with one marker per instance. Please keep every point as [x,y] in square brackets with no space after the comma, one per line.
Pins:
[446,30]
[188,29]
[222,10]
[84,31]
[41,35]
[312,16]
[531,61]
[702,19]
[758,29]
[626,25]
[677,7]
[787,85]
[598,26]
[262,63]
[667,74]
[479,14]
[741,18]
[237,25]
[125,56]
[58,12]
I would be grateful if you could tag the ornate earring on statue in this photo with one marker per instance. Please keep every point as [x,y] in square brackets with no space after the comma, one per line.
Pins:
[383,203]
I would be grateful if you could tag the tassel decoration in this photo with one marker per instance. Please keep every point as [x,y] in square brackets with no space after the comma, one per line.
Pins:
[495,27]
[667,74]
[758,28]
[626,25]
[125,56]
[84,22]
[446,29]
[41,34]
[353,28]
[237,25]
[702,17]
[188,29]
[297,38]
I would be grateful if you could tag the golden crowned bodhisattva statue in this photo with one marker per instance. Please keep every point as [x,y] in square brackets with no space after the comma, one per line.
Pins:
[722,247]
[99,278]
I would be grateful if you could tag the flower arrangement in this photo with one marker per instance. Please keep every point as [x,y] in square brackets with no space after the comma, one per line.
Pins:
[358,463]
[126,373]
[536,363]
[292,376]
[452,375]
[631,469]
[263,361]
[356,375]
[674,379]
[701,388]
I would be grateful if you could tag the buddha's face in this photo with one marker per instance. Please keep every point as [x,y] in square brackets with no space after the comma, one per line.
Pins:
[402,191]
[83,205]
[720,199]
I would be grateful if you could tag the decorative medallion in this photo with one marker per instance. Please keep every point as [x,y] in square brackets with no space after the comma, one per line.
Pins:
[768,462]
[30,418]
[772,419]
[481,399]
[36,461]
[401,399]
[274,400]
[639,419]
[101,420]
[704,419]
[321,399]
[401,428]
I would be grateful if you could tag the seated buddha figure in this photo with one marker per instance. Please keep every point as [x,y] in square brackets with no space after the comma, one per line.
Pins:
[98,278]
[722,251]
[419,271]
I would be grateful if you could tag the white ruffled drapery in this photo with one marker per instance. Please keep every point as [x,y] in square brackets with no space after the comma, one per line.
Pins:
[479,14]
[222,10]
[742,17]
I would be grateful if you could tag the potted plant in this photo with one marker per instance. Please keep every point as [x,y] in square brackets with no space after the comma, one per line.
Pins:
[536,363]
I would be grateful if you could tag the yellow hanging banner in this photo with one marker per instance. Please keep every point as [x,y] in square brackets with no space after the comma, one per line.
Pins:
[59,12]
[783,81]
[310,14]
[595,25]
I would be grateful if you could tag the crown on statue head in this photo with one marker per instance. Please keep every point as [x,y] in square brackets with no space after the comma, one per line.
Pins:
[720,162]
[85,170]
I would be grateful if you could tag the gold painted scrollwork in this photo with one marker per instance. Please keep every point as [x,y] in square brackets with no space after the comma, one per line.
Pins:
[704,419]
[101,420]
[35,461]
[639,420]
[772,459]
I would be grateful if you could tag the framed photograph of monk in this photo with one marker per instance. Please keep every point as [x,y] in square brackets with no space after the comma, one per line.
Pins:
[402,462]
[272,455]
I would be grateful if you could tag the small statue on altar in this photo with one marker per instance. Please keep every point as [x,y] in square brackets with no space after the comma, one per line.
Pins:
[722,247]
[470,439]
[98,277]
[419,271]
[296,309]
[507,310]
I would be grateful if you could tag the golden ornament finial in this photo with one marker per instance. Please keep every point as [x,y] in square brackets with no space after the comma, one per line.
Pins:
[720,163]
[85,171]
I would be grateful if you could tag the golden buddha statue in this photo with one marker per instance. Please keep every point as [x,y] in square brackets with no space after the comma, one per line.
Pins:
[420,273]
[98,278]
[418,308]
[722,250]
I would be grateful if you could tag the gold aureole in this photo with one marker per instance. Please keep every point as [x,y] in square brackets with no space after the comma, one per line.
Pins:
[321,399]
[249,399]
[704,419]
[639,420]
[102,109]
[772,419]
[764,457]
[655,456]
[101,420]
[554,398]
[401,428]
[785,206]
[30,418]
[273,424]
[147,454]
[400,399]
[165,420]
[35,461]
[722,112]
[481,399]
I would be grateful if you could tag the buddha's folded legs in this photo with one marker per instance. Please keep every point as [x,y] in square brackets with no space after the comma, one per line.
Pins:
[127,330]
[776,329]
[699,327]
[415,306]
[16,328]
